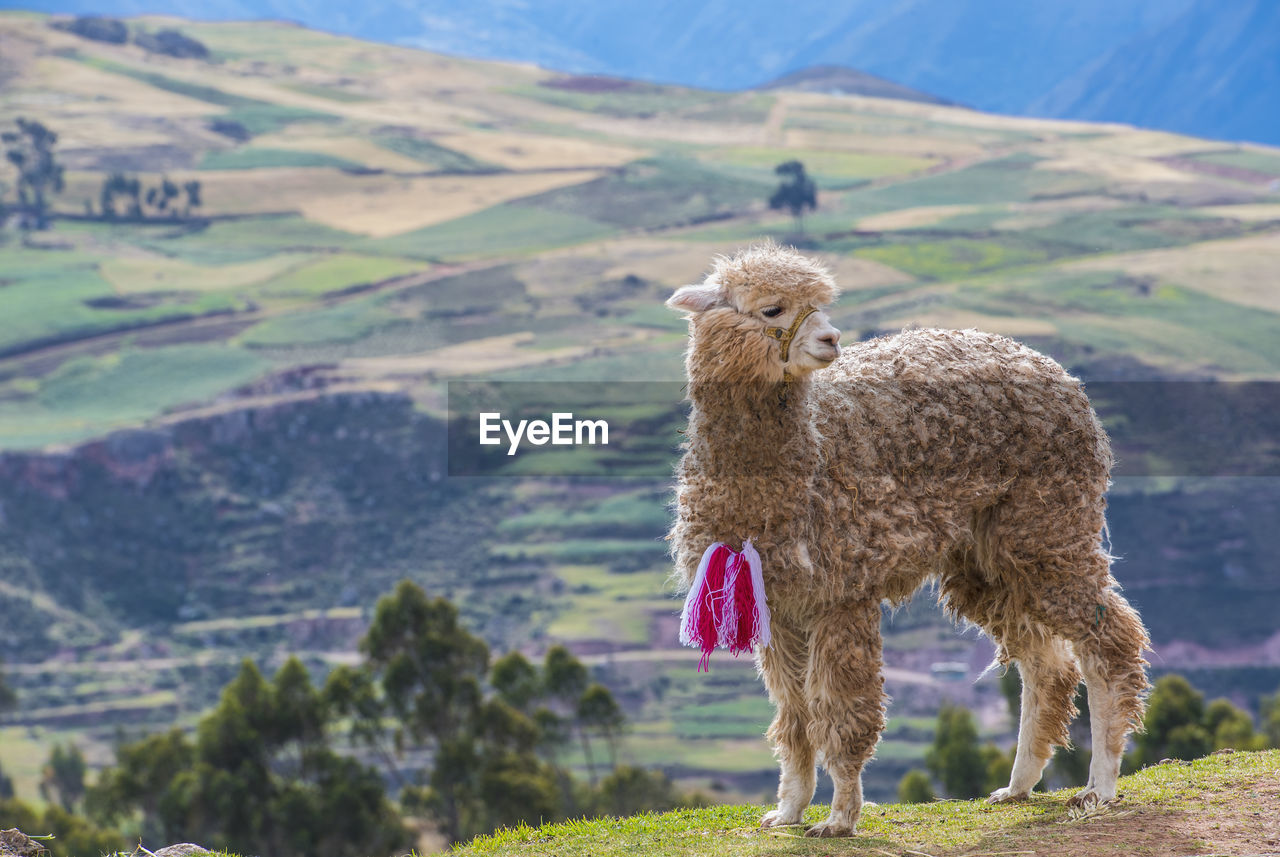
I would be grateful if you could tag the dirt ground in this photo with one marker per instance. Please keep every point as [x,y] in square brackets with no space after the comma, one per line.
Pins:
[1239,819]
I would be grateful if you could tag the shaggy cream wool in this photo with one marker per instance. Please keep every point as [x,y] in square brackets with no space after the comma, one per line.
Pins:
[958,458]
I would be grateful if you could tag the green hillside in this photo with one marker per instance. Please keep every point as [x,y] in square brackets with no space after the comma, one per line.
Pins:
[1211,806]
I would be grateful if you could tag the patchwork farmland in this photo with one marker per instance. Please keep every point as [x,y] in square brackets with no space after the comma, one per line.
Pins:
[375,221]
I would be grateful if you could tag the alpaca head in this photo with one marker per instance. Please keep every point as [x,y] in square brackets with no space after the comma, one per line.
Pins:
[743,317]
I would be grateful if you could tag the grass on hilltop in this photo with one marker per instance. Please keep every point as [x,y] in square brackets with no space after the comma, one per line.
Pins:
[1213,805]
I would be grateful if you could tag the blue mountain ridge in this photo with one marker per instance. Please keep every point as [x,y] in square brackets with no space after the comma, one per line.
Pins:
[1203,67]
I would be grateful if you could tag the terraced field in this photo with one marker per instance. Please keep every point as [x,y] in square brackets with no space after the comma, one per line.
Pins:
[376,221]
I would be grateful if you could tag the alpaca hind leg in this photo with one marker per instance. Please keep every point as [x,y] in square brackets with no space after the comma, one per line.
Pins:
[845,690]
[1049,681]
[1111,657]
[783,666]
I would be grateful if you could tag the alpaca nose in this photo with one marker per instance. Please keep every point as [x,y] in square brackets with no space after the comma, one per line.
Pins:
[831,337]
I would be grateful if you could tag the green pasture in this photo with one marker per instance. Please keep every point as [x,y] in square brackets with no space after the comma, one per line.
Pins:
[642,512]
[1247,159]
[634,100]
[88,395]
[748,109]
[1013,178]
[599,605]
[654,193]
[224,242]
[258,117]
[509,229]
[332,93]
[1118,314]
[52,297]
[254,158]
[432,154]
[582,550]
[869,122]
[337,273]
[830,169]
[955,258]
[345,322]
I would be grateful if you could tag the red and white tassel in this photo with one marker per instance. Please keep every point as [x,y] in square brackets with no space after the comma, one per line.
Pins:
[726,606]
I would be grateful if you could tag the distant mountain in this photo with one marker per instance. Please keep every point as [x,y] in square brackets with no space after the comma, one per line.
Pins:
[1189,65]
[839,80]
[1215,66]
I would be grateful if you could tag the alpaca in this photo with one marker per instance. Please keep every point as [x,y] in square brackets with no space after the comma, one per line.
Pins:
[957,458]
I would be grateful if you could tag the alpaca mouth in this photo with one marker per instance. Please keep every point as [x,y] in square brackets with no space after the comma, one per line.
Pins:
[826,355]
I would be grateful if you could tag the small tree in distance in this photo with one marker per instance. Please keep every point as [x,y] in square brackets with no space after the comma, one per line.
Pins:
[30,150]
[915,788]
[796,193]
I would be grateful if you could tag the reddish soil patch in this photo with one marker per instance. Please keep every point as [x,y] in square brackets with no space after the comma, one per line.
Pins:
[1241,819]
[1239,174]
[592,83]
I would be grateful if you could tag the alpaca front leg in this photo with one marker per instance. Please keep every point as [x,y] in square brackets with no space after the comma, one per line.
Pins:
[845,690]
[783,666]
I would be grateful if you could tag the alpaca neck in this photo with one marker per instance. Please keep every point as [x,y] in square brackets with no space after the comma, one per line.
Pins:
[748,425]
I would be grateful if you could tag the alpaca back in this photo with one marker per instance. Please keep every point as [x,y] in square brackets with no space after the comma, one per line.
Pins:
[924,430]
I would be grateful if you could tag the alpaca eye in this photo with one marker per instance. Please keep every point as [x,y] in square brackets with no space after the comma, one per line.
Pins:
[771,312]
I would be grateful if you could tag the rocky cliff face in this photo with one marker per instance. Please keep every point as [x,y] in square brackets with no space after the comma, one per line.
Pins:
[316,503]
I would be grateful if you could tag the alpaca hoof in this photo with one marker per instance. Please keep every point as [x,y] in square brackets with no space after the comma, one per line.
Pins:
[778,818]
[1006,795]
[829,830]
[1088,798]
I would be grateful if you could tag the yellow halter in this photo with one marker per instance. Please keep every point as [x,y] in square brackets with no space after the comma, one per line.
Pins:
[784,336]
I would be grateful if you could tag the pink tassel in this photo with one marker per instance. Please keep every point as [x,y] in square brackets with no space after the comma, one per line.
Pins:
[726,605]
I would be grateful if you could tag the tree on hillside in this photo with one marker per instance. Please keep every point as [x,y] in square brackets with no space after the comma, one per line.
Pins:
[72,835]
[797,192]
[630,790]
[1229,726]
[63,779]
[516,681]
[119,185]
[97,28]
[955,758]
[1011,690]
[1270,710]
[492,734]
[914,787]
[260,777]
[429,670]
[1174,724]
[161,195]
[965,769]
[1070,765]
[30,150]
[192,189]
[599,713]
[8,702]
[8,697]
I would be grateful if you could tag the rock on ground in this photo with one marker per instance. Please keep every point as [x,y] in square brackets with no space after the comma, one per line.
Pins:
[15,843]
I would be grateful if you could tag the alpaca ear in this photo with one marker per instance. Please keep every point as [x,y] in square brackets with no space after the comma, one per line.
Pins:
[699,298]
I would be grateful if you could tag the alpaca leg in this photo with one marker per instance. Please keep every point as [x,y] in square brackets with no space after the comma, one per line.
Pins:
[1113,670]
[783,666]
[1049,681]
[845,690]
